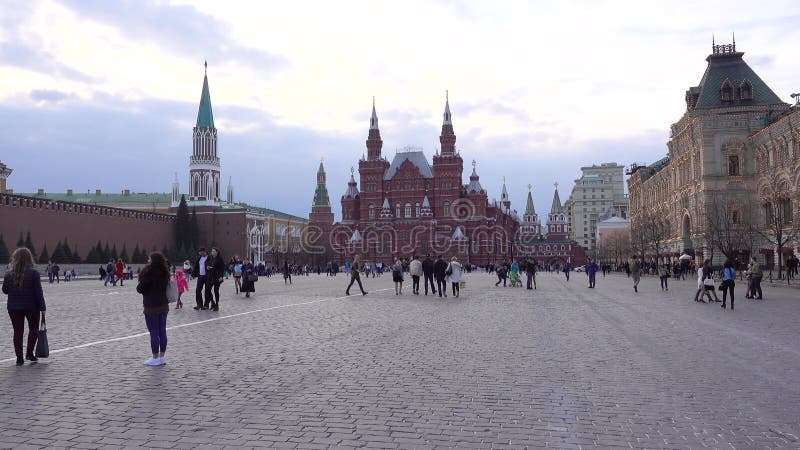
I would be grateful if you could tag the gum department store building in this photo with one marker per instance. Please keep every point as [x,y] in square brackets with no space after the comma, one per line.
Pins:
[737,144]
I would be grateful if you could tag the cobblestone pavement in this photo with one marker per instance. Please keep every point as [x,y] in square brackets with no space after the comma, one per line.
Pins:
[302,366]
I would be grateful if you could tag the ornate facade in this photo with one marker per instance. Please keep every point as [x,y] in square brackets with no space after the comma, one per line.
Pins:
[410,206]
[734,134]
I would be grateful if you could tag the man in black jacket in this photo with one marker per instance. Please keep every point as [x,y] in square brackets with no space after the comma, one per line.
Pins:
[199,273]
[427,271]
[215,273]
[439,272]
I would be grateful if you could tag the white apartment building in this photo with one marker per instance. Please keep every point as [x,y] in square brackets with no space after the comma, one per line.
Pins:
[598,194]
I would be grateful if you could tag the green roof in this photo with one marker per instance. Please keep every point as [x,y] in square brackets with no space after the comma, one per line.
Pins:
[731,67]
[105,199]
[556,207]
[321,196]
[267,211]
[205,118]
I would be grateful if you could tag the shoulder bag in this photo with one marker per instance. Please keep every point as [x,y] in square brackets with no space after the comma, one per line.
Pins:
[42,346]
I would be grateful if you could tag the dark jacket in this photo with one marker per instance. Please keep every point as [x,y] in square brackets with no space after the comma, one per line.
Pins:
[30,297]
[215,268]
[196,266]
[439,269]
[153,287]
[427,266]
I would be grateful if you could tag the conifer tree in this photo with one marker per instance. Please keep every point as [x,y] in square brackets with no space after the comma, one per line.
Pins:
[124,254]
[44,257]
[21,241]
[114,255]
[182,224]
[107,252]
[58,253]
[4,255]
[136,254]
[67,258]
[76,258]
[194,229]
[99,253]
[29,244]
[91,257]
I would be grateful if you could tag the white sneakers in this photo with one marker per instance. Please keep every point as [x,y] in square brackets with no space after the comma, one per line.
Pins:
[155,361]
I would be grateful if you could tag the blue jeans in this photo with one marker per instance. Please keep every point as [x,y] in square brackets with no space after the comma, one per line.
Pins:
[157,326]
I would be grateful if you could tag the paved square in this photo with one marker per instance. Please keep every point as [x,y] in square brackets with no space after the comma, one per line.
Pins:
[302,366]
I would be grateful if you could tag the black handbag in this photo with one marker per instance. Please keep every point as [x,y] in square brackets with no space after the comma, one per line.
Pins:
[42,346]
[252,277]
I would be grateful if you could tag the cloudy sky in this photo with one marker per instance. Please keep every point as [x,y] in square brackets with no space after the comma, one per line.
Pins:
[101,94]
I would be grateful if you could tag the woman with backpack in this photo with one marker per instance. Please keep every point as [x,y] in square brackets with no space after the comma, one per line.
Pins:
[453,272]
[153,281]
[397,277]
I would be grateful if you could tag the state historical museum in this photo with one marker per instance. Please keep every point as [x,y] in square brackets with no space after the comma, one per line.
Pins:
[409,206]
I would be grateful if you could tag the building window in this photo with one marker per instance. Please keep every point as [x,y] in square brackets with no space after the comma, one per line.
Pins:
[417,209]
[768,213]
[371,211]
[446,209]
[733,166]
[408,210]
[746,90]
[397,210]
[785,210]
[726,92]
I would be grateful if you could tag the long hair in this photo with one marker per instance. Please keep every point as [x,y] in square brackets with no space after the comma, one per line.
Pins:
[21,260]
[157,265]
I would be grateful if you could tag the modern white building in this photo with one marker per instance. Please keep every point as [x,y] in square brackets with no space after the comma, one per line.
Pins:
[599,190]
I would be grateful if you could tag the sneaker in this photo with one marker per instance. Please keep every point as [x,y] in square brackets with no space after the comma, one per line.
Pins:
[161,361]
[151,361]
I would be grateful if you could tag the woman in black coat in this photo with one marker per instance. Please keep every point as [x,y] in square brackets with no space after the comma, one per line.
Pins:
[153,281]
[23,285]
[248,276]
[215,273]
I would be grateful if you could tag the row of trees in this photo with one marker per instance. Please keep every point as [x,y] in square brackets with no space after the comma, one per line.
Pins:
[732,227]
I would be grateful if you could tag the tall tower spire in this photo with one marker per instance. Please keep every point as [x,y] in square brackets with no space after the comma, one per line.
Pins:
[229,197]
[321,214]
[321,194]
[448,138]
[374,141]
[204,165]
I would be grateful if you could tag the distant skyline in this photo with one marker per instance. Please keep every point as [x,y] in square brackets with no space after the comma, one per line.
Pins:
[103,95]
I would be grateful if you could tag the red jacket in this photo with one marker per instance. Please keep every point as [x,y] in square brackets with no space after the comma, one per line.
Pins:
[119,268]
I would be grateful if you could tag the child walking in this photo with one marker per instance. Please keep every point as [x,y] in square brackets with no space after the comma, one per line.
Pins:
[183,286]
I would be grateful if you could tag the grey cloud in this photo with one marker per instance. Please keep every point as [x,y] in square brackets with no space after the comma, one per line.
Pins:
[47,95]
[181,28]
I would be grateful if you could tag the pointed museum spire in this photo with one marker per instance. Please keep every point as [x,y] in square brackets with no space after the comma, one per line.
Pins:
[205,118]
[352,186]
[373,121]
[374,141]
[448,138]
[529,209]
[556,207]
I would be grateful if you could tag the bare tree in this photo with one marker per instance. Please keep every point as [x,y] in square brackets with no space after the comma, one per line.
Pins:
[653,232]
[730,226]
[779,226]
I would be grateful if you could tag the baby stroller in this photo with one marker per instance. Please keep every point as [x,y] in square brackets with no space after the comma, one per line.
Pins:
[515,279]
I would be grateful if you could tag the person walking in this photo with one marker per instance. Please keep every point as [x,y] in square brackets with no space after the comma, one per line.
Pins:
[183,286]
[248,278]
[215,271]
[397,277]
[567,269]
[728,282]
[199,272]
[755,279]
[237,275]
[439,272]
[111,269]
[663,275]
[427,272]
[635,271]
[454,271]
[591,271]
[50,275]
[23,285]
[502,274]
[415,269]
[153,281]
[530,272]
[287,272]
[119,271]
[355,269]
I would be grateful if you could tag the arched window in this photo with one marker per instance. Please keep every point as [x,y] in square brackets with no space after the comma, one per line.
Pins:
[446,209]
[397,210]
[726,91]
[371,211]
[408,210]
[416,209]
[746,90]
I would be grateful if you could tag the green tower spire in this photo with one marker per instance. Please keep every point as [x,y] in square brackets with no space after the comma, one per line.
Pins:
[205,118]
[321,194]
